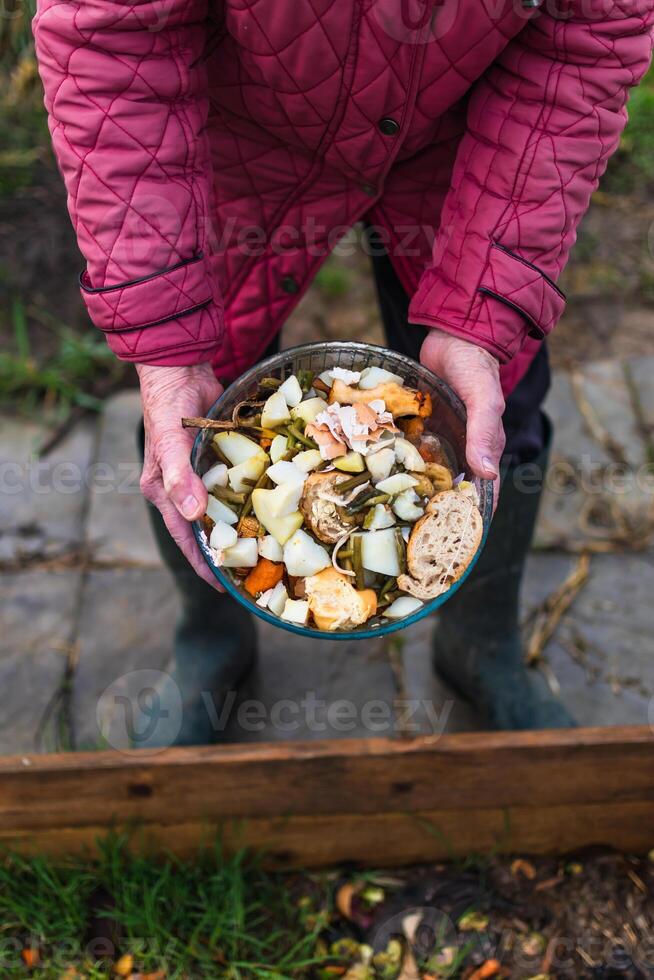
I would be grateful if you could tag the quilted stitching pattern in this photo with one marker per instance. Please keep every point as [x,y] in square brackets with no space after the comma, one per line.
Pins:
[256,149]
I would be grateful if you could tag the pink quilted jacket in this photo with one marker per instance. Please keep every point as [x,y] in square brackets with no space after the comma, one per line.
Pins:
[214,153]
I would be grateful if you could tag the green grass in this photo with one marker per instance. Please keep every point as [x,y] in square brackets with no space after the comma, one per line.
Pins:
[212,917]
[62,380]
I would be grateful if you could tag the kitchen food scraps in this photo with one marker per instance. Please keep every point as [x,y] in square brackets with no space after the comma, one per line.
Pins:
[331,506]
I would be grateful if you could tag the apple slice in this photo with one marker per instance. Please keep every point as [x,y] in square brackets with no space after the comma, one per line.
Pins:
[379,552]
[281,528]
[216,476]
[249,469]
[277,600]
[307,460]
[396,483]
[275,411]
[244,554]
[236,447]
[291,391]
[308,409]
[350,463]
[303,556]
[278,448]
[286,472]
[220,512]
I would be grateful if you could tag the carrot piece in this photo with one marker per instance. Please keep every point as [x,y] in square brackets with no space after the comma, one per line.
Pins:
[265,575]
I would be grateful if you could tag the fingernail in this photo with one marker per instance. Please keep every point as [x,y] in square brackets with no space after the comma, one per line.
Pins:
[488,466]
[190,507]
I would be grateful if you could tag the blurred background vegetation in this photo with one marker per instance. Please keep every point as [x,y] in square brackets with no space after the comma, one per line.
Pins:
[52,360]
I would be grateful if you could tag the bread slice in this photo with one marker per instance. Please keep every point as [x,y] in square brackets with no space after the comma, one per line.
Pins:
[335,603]
[442,543]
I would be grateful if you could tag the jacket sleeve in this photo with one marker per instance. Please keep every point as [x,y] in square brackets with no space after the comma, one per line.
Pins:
[542,124]
[127,102]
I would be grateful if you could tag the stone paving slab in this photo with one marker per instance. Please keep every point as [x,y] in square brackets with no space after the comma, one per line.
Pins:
[37,611]
[118,526]
[126,627]
[42,500]
[586,490]
[314,690]
[432,708]
[601,654]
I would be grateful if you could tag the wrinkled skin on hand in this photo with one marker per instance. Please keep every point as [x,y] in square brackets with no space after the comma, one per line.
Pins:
[475,376]
[168,481]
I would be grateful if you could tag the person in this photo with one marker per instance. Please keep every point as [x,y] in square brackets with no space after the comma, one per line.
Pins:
[214,152]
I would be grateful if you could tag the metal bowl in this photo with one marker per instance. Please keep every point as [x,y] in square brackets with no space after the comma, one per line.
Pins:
[448,421]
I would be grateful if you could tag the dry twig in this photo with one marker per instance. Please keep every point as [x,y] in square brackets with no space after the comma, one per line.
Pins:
[553,608]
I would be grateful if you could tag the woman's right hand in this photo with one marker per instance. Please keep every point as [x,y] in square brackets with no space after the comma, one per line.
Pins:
[168,394]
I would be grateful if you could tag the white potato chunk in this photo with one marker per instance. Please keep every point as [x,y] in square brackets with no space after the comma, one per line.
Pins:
[382,517]
[270,548]
[291,391]
[373,376]
[236,447]
[405,605]
[379,552]
[218,511]
[409,457]
[244,554]
[216,476]
[303,556]
[380,463]
[406,506]
[222,536]
[296,611]
[286,472]
[277,600]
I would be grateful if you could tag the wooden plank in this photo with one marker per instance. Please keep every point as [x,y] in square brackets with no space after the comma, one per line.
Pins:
[457,772]
[382,840]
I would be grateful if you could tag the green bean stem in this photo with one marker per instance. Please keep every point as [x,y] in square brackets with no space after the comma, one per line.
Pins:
[357,564]
[229,496]
[400,547]
[354,481]
[292,430]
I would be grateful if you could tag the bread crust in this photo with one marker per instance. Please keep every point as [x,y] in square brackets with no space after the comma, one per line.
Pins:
[442,544]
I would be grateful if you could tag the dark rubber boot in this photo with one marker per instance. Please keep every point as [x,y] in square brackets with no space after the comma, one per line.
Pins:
[477,646]
[215,648]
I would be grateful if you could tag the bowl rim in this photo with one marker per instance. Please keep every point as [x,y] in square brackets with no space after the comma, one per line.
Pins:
[383,629]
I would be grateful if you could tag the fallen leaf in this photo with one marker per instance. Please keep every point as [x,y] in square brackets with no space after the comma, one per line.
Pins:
[473,922]
[488,969]
[124,966]
[30,957]
[344,897]
[524,868]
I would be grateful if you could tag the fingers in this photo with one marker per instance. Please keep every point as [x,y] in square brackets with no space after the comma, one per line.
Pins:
[485,433]
[184,538]
[474,375]
[184,487]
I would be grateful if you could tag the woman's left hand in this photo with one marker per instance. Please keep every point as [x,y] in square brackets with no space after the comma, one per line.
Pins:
[475,376]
